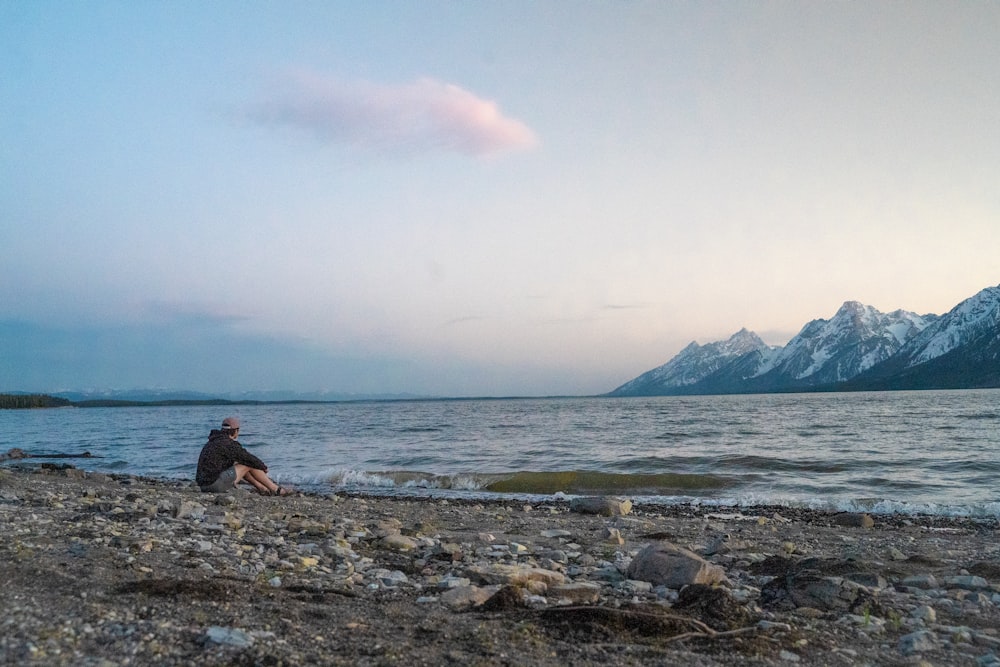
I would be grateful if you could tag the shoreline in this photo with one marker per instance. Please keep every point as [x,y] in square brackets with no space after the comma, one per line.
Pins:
[885,509]
[112,569]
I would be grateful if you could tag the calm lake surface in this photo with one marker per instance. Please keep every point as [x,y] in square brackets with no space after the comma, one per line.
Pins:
[911,452]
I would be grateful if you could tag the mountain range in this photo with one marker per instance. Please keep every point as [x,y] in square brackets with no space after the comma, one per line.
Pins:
[858,349]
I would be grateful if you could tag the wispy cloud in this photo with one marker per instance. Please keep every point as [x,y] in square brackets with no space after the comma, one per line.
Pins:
[423,115]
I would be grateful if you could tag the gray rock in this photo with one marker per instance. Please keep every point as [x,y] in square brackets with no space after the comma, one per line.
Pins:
[917,642]
[602,505]
[634,587]
[967,582]
[453,582]
[924,581]
[611,536]
[673,566]
[556,532]
[188,508]
[829,593]
[229,636]
[389,578]
[869,580]
[924,613]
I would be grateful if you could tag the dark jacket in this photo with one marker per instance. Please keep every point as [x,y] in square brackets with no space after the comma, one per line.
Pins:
[218,454]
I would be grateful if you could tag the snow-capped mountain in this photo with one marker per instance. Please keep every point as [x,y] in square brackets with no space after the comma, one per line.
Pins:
[856,338]
[694,363]
[974,318]
[961,349]
[858,348]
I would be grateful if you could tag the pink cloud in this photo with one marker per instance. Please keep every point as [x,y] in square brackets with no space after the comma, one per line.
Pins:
[425,114]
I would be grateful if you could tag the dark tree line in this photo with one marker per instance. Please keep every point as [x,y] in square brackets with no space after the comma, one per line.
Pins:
[21,401]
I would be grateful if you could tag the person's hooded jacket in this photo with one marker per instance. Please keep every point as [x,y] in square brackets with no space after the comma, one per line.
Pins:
[219,453]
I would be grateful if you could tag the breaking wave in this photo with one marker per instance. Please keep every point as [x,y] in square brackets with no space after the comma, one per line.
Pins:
[575,482]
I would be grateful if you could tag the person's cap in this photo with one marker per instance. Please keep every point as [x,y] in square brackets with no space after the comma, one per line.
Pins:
[230,423]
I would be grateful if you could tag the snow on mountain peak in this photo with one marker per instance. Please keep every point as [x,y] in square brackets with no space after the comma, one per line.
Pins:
[695,362]
[976,316]
[856,338]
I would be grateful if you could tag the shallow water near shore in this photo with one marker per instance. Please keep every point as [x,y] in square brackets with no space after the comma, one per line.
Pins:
[935,452]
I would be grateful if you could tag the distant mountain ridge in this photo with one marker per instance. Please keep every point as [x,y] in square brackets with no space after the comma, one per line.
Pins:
[165,395]
[859,348]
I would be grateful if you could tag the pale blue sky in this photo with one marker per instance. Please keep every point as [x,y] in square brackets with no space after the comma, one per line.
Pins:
[476,198]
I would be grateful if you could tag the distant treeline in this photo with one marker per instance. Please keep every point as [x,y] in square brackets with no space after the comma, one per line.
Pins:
[14,401]
[22,401]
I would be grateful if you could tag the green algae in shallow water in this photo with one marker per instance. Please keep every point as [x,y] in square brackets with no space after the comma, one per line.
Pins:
[576,481]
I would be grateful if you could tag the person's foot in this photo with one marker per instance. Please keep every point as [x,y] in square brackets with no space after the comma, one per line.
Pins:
[282,491]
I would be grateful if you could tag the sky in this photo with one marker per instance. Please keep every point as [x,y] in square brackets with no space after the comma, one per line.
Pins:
[476,198]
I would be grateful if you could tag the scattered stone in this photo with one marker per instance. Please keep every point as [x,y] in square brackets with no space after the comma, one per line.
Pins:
[602,505]
[924,581]
[229,636]
[560,533]
[585,592]
[611,536]
[920,641]
[854,520]
[967,582]
[189,509]
[924,613]
[673,566]
[398,542]
[464,597]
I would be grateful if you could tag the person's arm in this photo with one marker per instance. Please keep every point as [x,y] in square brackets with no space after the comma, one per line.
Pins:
[241,455]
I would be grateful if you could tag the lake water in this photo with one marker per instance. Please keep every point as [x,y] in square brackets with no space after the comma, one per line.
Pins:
[908,452]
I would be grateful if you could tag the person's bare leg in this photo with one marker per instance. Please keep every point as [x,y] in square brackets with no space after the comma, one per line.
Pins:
[246,474]
[259,479]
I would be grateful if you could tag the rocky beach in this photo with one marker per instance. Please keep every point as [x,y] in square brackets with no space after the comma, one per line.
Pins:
[119,570]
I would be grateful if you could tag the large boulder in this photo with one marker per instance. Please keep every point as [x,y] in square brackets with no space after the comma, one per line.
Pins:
[666,564]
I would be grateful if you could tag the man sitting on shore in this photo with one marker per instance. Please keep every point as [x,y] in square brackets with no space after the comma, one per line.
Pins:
[224,463]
